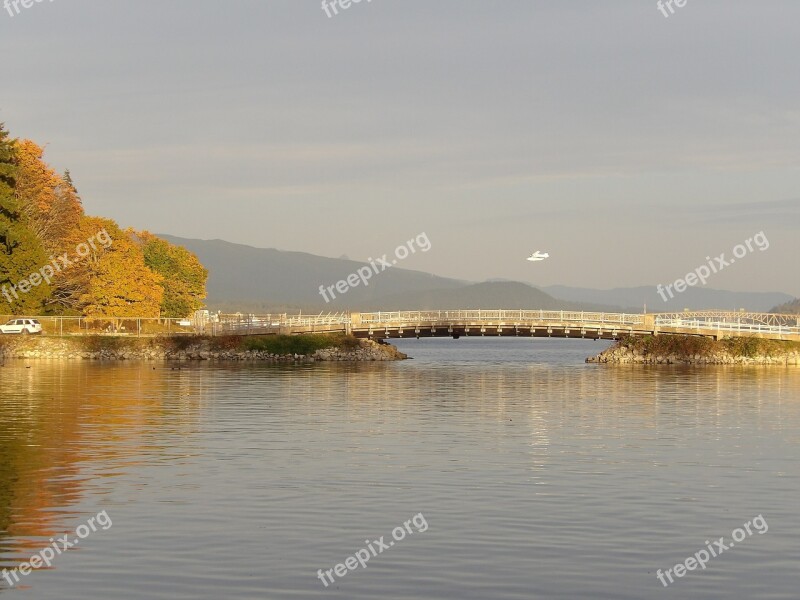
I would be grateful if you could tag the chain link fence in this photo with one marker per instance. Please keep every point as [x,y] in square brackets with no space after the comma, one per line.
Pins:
[136,327]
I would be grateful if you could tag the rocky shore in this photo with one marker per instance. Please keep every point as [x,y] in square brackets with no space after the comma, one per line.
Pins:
[686,350]
[155,349]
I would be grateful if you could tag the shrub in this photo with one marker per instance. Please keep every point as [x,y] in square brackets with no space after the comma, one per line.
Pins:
[665,345]
[176,343]
[751,347]
[299,344]
[226,342]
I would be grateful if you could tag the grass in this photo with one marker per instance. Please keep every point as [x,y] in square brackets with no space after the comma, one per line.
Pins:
[663,345]
[750,347]
[274,344]
[300,344]
[690,346]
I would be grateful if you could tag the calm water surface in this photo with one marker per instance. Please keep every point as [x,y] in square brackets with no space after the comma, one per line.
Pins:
[538,476]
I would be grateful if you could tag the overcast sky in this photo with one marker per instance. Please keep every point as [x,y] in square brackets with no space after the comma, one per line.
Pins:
[628,145]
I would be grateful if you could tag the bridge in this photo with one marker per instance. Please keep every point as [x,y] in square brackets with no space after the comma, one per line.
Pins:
[715,324]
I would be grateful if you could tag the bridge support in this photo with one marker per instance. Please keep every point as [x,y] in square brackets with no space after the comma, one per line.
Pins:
[355,323]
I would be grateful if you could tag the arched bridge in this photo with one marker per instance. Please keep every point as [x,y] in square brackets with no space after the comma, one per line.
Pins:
[537,323]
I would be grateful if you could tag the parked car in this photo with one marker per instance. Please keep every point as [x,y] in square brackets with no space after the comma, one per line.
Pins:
[22,326]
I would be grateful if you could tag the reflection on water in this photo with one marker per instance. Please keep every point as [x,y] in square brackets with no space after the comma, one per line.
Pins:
[63,425]
[540,476]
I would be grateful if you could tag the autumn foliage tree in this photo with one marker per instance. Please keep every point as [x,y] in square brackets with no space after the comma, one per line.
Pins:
[41,217]
[53,210]
[120,283]
[50,204]
[184,278]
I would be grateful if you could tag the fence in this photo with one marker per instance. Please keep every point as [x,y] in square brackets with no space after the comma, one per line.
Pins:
[505,316]
[139,326]
[266,324]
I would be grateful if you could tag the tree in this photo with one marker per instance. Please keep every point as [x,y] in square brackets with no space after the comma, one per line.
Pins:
[67,177]
[22,256]
[49,203]
[789,308]
[53,211]
[184,277]
[120,284]
[95,268]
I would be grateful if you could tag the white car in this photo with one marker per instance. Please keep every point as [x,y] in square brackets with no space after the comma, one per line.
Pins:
[22,326]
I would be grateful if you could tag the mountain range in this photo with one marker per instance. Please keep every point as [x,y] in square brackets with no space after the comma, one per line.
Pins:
[248,279]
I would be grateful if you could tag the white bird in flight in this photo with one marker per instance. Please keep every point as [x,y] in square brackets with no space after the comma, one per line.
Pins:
[537,256]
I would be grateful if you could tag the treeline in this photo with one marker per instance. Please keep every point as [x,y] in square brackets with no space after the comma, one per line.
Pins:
[56,260]
[790,308]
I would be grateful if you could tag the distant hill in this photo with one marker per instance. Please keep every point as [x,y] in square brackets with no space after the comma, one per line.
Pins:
[268,280]
[243,278]
[789,308]
[696,298]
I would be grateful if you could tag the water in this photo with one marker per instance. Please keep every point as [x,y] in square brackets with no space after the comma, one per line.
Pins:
[537,475]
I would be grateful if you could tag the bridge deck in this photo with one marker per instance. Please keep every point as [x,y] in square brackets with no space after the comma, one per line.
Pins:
[538,323]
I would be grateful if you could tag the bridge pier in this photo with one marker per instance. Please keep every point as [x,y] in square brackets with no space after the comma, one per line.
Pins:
[354,323]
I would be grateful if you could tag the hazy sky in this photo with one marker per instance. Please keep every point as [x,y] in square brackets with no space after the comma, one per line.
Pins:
[628,145]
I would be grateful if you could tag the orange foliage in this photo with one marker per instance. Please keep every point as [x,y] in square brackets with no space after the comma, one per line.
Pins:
[99,279]
[50,205]
[120,284]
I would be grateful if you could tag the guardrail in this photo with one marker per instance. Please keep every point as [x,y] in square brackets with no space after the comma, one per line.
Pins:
[504,316]
[738,326]
[730,317]
[240,323]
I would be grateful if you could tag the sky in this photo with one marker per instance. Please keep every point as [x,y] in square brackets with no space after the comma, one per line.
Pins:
[626,144]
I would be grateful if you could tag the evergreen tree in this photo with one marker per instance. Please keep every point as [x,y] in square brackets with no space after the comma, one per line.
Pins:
[21,252]
[71,184]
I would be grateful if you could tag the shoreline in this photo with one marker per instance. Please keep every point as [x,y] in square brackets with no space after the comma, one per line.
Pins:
[117,348]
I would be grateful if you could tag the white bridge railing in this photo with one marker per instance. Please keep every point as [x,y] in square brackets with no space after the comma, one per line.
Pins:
[501,316]
[767,323]
[240,323]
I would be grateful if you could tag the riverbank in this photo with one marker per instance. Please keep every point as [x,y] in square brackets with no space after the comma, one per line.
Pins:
[299,348]
[694,350]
